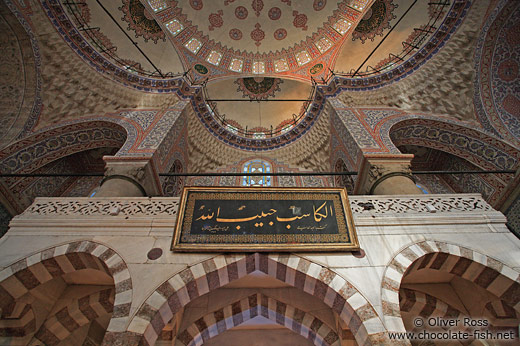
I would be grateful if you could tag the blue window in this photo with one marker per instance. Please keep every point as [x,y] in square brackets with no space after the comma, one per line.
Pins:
[257,166]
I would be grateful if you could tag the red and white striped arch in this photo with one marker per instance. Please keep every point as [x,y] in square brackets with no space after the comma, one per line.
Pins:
[171,296]
[25,275]
[236,313]
[486,272]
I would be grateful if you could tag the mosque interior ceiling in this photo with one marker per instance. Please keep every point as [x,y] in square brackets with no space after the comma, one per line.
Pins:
[262,49]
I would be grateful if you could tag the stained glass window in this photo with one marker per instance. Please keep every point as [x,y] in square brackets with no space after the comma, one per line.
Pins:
[259,135]
[257,166]
[342,26]
[258,67]
[174,27]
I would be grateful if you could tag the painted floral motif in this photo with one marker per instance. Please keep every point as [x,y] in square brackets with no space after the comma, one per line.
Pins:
[257,35]
[241,12]
[257,5]
[235,34]
[280,34]
[215,20]
[141,22]
[300,20]
[376,19]
[196,4]
[319,5]
[258,88]
[275,13]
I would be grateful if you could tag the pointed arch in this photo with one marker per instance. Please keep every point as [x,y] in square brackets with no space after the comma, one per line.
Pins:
[425,305]
[18,320]
[236,313]
[28,273]
[475,146]
[75,315]
[344,299]
[486,272]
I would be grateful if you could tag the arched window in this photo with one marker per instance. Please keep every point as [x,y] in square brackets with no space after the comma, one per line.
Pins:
[257,166]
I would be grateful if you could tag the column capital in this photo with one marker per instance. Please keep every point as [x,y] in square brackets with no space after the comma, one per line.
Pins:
[137,174]
[380,169]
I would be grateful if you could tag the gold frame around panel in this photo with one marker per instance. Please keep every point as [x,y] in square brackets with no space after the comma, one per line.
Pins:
[177,246]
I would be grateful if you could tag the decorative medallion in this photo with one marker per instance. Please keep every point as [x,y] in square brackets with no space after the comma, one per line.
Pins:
[201,69]
[196,4]
[257,5]
[141,22]
[508,70]
[258,88]
[376,19]
[300,20]
[257,35]
[215,20]
[275,13]
[316,69]
[241,12]
[319,5]
[280,34]
[235,34]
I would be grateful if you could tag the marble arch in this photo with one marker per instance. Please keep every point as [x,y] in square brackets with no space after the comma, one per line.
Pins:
[424,305]
[236,313]
[53,332]
[30,272]
[351,306]
[486,272]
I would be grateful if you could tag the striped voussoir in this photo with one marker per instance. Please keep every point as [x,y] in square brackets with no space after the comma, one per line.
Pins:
[484,271]
[17,320]
[499,310]
[218,321]
[422,304]
[352,307]
[417,303]
[75,315]
[21,277]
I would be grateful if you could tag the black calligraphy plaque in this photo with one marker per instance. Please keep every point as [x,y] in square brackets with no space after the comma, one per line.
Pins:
[264,219]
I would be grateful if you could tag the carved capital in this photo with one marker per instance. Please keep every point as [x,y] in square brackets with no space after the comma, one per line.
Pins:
[375,169]
[141,172]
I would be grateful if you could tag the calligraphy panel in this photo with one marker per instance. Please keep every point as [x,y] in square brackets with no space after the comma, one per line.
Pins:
[264,219]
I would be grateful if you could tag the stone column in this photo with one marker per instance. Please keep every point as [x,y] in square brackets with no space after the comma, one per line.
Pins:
[129,178]
[384,174]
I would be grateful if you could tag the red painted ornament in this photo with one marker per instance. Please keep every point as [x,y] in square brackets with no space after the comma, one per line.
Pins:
[196,4]
[257,5]
[235,34]
[275,13]
[215,20]
[300,20]
[319,5]
[257,35]
[241,12]
[280,34]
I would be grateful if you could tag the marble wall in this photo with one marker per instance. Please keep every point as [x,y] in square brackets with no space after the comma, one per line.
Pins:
[132,237]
